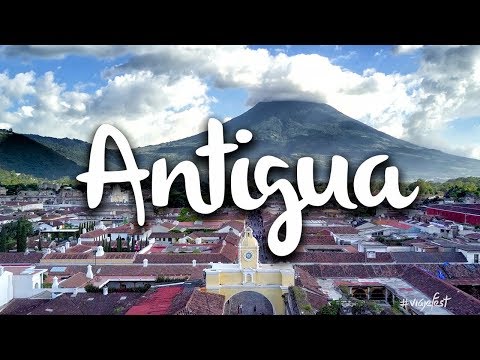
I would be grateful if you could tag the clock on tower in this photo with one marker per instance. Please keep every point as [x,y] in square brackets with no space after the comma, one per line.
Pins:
[248,252]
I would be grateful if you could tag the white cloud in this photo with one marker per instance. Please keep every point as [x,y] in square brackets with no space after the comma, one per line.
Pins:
[163,90]
[164,108]
[27,111]
[405,49]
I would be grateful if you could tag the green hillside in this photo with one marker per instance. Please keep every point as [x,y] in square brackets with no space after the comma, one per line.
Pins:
[21,154]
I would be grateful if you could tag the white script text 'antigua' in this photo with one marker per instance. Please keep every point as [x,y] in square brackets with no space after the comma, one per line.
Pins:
[215,150]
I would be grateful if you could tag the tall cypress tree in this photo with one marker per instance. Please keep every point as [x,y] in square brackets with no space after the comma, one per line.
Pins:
[119,244]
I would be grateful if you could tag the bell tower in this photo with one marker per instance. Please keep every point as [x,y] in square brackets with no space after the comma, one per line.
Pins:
[248,251]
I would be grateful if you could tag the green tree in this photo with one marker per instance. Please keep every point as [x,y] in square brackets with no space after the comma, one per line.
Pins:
[425,187]
[24,229]
[332,308]
[15,233]
[187,214]
[119,243]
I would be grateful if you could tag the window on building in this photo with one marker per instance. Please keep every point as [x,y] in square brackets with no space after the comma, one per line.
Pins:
[475,258]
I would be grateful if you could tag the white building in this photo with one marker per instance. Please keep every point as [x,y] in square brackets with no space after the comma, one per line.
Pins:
[472,254]
[24,206]
[6,286]
[119,196]
[46,227]
[27,281]
[377,230]
[235,226]
[368,246]
[349,239]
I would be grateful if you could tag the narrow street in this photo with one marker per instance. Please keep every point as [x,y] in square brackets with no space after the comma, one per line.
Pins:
[255,221]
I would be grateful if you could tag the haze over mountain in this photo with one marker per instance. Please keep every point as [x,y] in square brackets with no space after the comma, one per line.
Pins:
[293,129]
[285,129]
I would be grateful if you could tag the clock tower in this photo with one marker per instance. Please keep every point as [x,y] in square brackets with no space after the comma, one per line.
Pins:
[235,281]
[248,251]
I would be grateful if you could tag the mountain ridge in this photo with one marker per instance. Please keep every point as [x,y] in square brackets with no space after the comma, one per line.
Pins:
[21,154]
[290,130]
[293,129]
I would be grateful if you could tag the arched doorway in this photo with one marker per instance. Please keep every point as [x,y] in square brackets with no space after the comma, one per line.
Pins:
[248,303]
[377,294]
[359,293]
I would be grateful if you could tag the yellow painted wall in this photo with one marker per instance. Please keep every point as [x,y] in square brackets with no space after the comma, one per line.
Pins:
[212,280]
[273,294]
[288,279]
[231,278]
[269,278]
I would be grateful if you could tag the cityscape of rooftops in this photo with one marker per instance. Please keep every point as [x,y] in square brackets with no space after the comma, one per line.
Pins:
[415,104]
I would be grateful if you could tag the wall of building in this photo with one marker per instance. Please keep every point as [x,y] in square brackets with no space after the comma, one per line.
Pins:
[25,286]
[230,278]
[455,216]
[399,248]
[227,229]
[470,255]
[269,278]
[6,287]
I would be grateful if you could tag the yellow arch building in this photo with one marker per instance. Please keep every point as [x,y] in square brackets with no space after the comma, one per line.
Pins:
[272,281]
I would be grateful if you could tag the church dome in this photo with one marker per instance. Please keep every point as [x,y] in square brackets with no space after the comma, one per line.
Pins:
[247,238]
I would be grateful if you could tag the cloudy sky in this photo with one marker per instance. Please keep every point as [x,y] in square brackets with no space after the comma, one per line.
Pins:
[428,95]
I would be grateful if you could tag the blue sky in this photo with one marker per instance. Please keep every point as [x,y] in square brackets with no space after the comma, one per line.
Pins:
[423,94]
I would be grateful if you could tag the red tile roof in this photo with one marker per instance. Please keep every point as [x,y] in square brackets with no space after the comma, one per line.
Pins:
[179,300]
[353,271]
[168,225]
[22,306]
[342,230]
[79,249]
[332,257]
[171,235]
[160,258]
[232,239]
[79,280]
[236,224]
[156,303]
[65,256]
[305,280]
[127,229]
[20,258]
[88,304]
[393,223]
[317,240]
[230,252]
[475,236]
[204,303]
[119,255]
[92,234]
[460,303]
[328,230]
[171,270]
